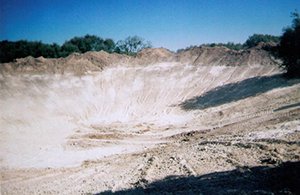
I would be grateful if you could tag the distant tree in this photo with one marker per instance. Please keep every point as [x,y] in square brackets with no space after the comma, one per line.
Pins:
[234,46]
[90,43]
[109,45]
[7,51]
[79,44]
[132,45]
[257,38]
[55,48]
[67,48]
[23,48]
[289,47]
[229,45]
[10,50]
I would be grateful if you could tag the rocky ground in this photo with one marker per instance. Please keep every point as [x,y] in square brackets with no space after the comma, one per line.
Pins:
[161,128]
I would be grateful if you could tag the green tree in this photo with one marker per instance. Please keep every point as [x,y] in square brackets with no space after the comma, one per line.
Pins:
[289,47]
[257,38]
[234,46]
[7,51]
[55,48]
[132,45]
[10,50]
[89,43]
[109,45]
[67,48]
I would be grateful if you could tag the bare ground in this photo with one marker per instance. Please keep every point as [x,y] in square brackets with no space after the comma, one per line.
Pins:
[162,129]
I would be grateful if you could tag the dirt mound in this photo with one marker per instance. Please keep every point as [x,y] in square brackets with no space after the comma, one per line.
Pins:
[226,57]
[75,63]
[169,127]
[152,56]
[96,61]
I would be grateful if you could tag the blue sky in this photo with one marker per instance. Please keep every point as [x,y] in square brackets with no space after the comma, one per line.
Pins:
[172,24]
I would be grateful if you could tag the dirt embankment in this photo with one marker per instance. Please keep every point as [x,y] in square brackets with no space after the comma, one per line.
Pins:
[227,57]
[95,61]
[201,121]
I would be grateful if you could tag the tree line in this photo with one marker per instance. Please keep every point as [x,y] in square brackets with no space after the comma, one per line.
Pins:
[10,50]
[288,46]
[252,41]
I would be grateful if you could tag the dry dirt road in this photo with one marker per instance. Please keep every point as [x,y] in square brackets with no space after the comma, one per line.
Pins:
[163,128]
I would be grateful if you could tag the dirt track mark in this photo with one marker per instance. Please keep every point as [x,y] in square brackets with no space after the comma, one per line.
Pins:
[138,174]
[287,107]
[187,167]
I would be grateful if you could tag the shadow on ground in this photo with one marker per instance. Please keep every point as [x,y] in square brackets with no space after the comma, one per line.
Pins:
[283,179]
[237,91]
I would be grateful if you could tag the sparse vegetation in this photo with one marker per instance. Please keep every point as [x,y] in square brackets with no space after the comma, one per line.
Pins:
[10,50]
[252,41]
[255,39]
[132,45]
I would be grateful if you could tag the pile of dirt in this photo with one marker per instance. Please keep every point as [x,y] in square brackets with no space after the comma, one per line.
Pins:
[96,61]
[75,63]
[137,125]
[227,57]
[152,56]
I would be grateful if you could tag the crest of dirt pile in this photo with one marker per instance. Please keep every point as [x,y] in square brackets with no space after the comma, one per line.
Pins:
[75,63]
[96,61]
[154,55]
[226,57]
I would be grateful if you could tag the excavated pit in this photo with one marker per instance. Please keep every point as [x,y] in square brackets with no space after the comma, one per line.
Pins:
[131,126]
[46,117]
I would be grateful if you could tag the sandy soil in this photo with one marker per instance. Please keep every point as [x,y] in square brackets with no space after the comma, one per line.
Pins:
[167,127]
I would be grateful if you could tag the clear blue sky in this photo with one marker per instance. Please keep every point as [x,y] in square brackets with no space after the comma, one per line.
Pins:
[172,24]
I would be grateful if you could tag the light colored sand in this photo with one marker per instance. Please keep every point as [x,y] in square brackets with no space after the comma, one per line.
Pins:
[40,112]
[85,126]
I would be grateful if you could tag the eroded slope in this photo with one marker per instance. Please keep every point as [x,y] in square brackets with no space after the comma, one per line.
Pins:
[164,127]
